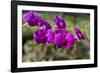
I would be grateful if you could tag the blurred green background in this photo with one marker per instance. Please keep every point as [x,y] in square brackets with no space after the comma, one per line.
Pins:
[33,52]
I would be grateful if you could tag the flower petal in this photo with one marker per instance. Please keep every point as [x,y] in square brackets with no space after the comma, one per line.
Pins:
[28,18]
[58,39]
[60,22]
[79,34]
[50,35]
[60,31]
[70,40]
[46,25]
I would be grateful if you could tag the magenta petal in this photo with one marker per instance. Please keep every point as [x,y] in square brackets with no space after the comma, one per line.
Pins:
[38,21]
[80,35]
[70,40]
[60,22]
[46,25]
[50,35]
[60,31]
[58,39]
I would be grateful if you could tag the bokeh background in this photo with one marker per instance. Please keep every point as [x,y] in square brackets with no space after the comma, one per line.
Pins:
[33,52]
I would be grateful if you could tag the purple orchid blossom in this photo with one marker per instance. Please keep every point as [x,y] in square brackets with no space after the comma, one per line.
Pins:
[28,18]
[64,40]
[40,37]
[60,23]
[79,34]
[33,19]
[43,36]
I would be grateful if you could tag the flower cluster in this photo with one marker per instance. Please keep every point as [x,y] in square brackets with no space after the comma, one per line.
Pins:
[45,35]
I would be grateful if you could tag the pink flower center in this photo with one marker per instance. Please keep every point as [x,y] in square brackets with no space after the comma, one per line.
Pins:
[44,40]
[64,43]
